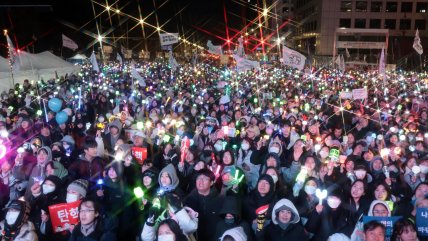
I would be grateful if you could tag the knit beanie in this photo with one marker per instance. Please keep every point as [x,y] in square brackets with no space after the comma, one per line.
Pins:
[80,186]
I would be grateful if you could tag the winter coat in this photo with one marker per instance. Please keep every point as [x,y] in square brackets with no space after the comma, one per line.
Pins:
[231,205]
[357,234]
[26,232]
[293,232]
[85,169]
[208,208]
[187,224]
[105,230]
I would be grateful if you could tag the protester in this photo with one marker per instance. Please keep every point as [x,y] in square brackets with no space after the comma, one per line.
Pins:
[208,153]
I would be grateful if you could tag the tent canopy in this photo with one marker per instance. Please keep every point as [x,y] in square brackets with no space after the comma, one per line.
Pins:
[34,67]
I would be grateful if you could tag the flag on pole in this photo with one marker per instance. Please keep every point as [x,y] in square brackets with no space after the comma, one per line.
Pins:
[417,43]
[240,50]
[340,61]
[168,38]
[348,55]
[382,64]
[69,43]
[214,49]
[293,58]
[172,62]
[13,55]
[137,76]
[119,58]
[94,62]
[243,64]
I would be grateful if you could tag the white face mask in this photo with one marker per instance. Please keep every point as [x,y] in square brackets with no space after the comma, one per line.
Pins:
[245,146]
[11,217]
[310,190]
[360,174]
[66,146]
[166,237]
[275,178]
[71,197]
[333,202]
[218,147]
[274,149]
[47,188]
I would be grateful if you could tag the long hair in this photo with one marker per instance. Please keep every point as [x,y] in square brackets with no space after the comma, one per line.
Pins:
[175,228]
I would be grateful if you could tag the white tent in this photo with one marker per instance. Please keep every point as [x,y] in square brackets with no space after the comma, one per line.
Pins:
[34,67]
[78,57]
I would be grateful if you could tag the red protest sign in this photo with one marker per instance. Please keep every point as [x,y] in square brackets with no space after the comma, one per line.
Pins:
[64,215]
[139,153]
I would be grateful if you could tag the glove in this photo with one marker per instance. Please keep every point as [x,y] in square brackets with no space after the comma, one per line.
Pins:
[174,202]
[153,215]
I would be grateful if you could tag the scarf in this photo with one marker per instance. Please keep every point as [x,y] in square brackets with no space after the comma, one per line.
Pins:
[282,225]
[87,229]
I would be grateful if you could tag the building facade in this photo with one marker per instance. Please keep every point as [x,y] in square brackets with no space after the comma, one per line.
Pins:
[317,21]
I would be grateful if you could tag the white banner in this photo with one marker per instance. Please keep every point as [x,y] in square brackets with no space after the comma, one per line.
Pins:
[360,45]
[168,38]
[293,58]
[69,43]
[214,49]
[243,64]
[359,94]
[137,76]
[417,43]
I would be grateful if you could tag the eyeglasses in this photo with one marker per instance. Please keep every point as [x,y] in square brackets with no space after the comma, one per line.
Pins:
[87,210]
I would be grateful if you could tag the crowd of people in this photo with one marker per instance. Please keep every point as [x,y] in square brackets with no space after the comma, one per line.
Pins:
[270,154]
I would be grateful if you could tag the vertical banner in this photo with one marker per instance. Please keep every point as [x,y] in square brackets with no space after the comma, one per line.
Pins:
[64,215]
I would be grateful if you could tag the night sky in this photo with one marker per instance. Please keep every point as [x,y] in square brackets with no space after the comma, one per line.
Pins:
[40,26]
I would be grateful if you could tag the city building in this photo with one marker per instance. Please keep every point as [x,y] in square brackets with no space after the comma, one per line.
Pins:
[316,22]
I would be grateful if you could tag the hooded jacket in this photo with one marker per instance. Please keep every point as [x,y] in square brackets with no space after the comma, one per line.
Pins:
[231,205]
[237,234]
[26,232]
[359,227]
[172,174]
[294,230]
[38,171]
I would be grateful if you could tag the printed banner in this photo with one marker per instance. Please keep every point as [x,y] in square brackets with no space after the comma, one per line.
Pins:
[387,221]
[69,43]
[168,38]
[64,215]
[359,94]
[139,153]
[422,221]
[293,58]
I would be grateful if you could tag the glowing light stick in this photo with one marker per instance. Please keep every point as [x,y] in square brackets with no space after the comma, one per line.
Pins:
[416,170]
[156,203]
[320,195]
[302,175]
[100,183]
[138,192]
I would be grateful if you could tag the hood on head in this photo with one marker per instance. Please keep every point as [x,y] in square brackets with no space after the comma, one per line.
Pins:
[238,234]
[374,203]
[48,150]
[172,173]
[232,206]
[287,203]
[276,142]
[116,123]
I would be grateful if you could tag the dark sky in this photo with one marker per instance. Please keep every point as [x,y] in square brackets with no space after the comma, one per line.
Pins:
[44,19]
